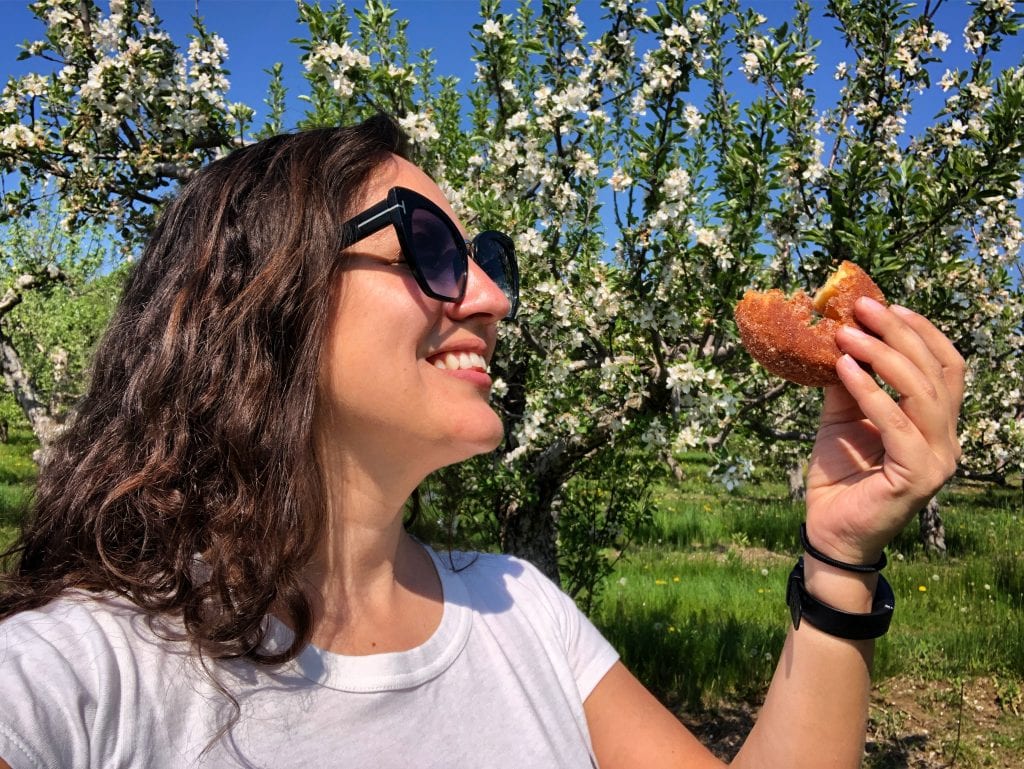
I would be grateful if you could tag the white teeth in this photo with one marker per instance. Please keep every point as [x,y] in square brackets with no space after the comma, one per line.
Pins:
[454,361]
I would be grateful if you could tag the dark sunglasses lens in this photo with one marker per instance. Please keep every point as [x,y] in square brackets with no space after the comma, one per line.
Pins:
[496,256]
[440,260]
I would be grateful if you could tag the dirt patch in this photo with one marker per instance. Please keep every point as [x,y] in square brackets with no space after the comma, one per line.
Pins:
[931,725]
[914,724]
[747,554]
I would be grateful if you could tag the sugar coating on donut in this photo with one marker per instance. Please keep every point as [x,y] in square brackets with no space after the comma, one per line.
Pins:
[794,337]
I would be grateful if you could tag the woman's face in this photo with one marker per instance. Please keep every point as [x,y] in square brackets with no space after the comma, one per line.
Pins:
[384,401]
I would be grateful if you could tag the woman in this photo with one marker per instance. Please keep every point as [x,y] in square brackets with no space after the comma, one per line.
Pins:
[216,570]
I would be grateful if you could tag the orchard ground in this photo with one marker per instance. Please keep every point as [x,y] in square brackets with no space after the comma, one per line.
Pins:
[697,609]
[915,724]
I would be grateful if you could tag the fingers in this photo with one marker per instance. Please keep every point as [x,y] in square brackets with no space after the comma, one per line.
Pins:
[951,362]
[915,359]
[918,457]
[939,345]
[927,348]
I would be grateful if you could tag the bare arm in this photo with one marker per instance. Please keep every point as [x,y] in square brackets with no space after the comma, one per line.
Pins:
[876,461]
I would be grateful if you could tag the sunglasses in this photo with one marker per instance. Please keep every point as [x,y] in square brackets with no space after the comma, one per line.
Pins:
[434,248]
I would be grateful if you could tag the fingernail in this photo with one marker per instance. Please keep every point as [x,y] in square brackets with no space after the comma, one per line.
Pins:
[867,301]
[899,309]
[849,363]
[853,331]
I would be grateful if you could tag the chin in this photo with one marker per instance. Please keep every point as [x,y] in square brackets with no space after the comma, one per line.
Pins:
[479,437]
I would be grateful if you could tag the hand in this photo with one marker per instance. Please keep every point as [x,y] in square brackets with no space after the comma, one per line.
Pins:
[877,461]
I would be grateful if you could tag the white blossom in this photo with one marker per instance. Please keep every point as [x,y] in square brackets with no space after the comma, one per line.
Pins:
[677,184]
[530,241]
[751,67]
[18,136]
[620,180]
[492,30]
[973,39]
[694,120]
[697,20]
[574,22]
[419,127]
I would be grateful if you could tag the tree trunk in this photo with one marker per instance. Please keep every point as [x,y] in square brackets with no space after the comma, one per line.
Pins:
[36,409]
[796,475]
[530,531]
[677,469]
[43,424]
[932,531]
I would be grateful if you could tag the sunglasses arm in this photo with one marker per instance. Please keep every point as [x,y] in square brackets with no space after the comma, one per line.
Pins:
[373,219]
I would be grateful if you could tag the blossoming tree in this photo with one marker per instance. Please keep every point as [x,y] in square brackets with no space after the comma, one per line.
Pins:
[652,166]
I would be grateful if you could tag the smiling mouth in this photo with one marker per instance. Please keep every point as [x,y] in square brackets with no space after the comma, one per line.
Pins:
[460,361]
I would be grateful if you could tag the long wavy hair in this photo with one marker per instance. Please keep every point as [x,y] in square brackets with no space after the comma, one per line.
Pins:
[187,480]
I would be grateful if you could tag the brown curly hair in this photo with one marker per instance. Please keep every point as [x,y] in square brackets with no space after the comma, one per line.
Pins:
[194,440]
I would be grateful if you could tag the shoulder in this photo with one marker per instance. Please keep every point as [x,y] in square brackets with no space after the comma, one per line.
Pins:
[63,622]
[494,570]
[519,602]
[91,676]
[78,618]
[60,664]
[498,583]
[81,637]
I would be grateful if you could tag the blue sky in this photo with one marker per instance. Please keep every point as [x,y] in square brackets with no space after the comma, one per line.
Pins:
[258,34]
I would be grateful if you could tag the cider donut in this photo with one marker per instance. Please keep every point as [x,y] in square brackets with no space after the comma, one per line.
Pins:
[784,335]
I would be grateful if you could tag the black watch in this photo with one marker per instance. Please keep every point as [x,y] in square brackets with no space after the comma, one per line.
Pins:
[842,624]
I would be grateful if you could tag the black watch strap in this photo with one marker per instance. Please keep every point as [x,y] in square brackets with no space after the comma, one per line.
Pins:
[835,622]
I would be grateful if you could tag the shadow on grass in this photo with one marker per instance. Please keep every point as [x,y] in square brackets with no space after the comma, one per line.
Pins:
[982,496]
[14,500]
[893,752]
[16,465]
[693,658]
[1009,577]
[773,526]
[683,523]
[723,727]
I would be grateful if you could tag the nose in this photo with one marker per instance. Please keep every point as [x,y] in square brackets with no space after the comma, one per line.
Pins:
[483,297]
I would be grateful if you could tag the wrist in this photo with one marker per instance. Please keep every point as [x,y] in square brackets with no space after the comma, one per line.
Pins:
[846,590]
[824,547]
[850,621]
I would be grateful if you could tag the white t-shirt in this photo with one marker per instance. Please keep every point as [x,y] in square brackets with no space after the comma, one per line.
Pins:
[87,681]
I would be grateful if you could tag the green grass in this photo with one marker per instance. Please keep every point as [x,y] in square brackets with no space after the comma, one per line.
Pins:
[697,606]
[17,475]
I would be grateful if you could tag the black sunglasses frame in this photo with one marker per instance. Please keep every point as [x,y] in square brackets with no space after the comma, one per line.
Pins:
[397,208]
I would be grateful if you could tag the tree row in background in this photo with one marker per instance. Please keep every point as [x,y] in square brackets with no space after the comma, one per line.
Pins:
[653,165]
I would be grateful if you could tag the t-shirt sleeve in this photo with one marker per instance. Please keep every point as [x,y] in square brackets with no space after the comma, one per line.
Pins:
[589,654]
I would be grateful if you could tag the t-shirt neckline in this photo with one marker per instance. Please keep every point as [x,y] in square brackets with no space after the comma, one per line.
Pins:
[390,671]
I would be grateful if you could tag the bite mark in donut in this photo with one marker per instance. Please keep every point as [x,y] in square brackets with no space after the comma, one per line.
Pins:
[794,337]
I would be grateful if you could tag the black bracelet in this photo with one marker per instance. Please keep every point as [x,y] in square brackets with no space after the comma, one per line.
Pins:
[835,622]
[820,556]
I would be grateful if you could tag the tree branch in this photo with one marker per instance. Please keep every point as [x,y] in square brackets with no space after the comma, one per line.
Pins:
[13,296]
